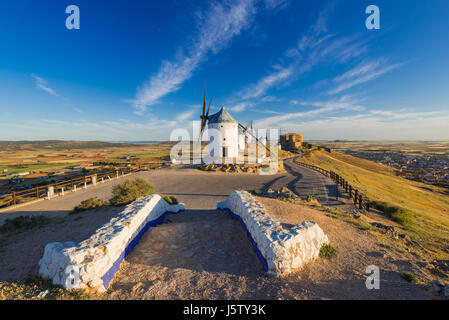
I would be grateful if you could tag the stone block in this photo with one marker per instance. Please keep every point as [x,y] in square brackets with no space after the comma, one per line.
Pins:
[281,250]
[93,262]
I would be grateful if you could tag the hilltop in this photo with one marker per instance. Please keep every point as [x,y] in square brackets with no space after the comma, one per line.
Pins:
[423,209]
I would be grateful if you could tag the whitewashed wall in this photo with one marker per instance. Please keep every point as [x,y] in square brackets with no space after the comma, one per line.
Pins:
[229,135]
[280,250]
[93,262]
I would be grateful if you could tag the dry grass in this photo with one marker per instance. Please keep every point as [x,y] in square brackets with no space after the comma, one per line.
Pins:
[427,207]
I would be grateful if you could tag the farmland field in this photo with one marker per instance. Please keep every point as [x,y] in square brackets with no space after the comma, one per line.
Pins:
[34,159]
[408,147]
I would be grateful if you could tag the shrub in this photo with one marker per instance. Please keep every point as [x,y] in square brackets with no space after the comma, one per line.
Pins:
[327,251]
[397,214]
[89,204]
[311,200]
[130,190]
[410,277]
[24,222]
[253,192]
[170,199]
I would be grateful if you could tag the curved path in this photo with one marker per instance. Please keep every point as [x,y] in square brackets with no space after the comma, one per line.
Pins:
[195,188]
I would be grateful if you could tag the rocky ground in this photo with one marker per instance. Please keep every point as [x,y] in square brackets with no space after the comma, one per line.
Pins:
[204,254]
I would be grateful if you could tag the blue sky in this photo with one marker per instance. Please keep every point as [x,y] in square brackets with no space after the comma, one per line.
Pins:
[136,69]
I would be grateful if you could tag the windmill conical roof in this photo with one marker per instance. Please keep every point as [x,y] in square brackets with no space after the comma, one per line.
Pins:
[221,116]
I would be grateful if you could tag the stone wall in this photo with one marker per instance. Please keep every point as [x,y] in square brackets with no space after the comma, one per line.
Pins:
[94,262]
[280,250]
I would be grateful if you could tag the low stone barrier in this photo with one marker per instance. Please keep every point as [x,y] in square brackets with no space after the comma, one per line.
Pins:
[94,262]
[280,250]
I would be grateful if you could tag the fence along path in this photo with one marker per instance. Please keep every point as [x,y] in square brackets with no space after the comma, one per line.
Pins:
[359,199]
[68,185]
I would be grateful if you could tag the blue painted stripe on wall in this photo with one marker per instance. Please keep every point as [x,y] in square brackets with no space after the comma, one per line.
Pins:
[109,275]
[259,254]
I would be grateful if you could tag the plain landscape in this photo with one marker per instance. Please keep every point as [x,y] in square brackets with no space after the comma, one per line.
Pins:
[410,241]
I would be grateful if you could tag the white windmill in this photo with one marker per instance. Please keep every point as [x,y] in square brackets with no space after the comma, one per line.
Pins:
[225,133]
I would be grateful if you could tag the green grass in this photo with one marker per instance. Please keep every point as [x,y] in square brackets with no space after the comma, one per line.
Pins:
[422,210]
[24,223]
[89,204]
[410,277]
[398,214]
[327,251]
[33,285]
[170,199]
[20,224]
[130,190]
[15,169]
[253,192]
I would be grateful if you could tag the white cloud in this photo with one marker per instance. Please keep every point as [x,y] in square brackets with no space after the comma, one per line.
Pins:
[314,47]
[325,108]
[258,89]
[217,27]
[41,83]
[376,125]
[363,73]
[185,115]
[242,106]
[273,4]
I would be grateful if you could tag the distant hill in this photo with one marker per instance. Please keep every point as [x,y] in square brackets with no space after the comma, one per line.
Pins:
[60,145]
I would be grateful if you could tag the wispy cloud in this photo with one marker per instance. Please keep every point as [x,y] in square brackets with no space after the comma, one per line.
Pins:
[274,4]
[325,108]
[376,124]
[242,106]
[260,88]
[217,27]
[315,46]
[364,72]
[41,83]
[186,115]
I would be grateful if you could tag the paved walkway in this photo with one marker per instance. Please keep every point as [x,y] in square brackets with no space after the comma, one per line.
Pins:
[197,189]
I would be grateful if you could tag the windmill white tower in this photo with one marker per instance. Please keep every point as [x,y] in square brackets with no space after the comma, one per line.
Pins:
[227,131]
[223,132]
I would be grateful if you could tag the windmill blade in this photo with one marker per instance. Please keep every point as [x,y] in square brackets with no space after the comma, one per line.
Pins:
[208,109]
[204,100]
[249,125]
[257,139]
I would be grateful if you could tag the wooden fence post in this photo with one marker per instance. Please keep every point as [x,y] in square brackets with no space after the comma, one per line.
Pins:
[13,198]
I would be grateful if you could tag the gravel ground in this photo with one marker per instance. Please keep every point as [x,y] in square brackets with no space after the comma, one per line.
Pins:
[20,255]
[197,189]
[204,254]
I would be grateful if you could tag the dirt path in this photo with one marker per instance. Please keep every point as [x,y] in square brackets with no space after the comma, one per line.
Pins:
[20,255]
[197,254]
[203,254]
[197,189]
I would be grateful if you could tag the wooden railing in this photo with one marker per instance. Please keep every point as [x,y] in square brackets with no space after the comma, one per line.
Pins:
[67,185]
[360,200]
